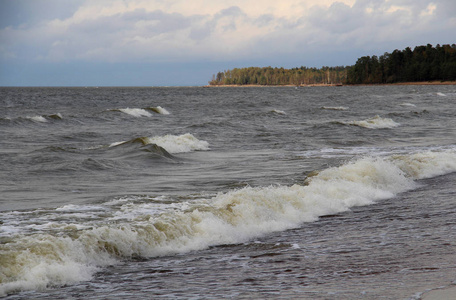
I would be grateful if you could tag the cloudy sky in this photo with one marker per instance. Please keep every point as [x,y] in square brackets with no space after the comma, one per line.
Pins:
[184,42]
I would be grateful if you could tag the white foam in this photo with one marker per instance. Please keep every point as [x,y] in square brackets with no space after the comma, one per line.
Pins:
[278,111]
[162,111]
[237,216]
[335,107]
[427,164]
[376,122]
[39,119]
[136,112]
[76,208]
[179,143]
[407,104]
[175,143]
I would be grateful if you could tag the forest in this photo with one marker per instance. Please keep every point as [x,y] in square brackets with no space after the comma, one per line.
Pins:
[423,63]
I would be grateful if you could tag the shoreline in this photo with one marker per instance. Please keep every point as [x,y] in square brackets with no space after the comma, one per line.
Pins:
[338,85]
[445,293]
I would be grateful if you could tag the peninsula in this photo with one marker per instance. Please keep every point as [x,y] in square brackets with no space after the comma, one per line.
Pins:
[423,64]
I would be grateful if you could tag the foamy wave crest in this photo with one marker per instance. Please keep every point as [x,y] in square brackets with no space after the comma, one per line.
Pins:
[173,143]
[136,112]
[179,143]
[41,260]
[376,122]
[334,107]
[158,110]
[407,104]
[39,119]
[278,111]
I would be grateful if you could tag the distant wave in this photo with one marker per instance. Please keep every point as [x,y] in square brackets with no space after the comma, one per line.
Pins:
[174,143]
[335,107]
[142,112]
[407,104]
[376,122]
[158,110]
[278,111]
[137,149]
[60,252]
[39,119]
[35,119]
[135,112]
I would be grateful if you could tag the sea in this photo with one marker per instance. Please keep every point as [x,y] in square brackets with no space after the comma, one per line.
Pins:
[343,192]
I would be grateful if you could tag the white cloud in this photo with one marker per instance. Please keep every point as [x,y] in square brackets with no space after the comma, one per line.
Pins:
[178,30]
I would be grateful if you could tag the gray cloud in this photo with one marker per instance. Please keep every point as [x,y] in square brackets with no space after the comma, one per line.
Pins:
[158,35]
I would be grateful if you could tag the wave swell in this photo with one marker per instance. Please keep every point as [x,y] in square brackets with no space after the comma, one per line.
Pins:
[376,122]
[172,143]
[142,112]
[34,261]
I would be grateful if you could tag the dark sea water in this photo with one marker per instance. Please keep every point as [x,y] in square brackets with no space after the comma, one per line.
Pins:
[213,193]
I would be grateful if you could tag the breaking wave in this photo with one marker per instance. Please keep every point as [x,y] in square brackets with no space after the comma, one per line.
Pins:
[142,112]
[376,122]
[278,111]
[174,143]
[135,112]
[407,104]
[158,110]
[334,107]
[58,252]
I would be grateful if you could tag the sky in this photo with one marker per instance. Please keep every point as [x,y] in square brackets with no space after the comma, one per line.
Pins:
[185,42]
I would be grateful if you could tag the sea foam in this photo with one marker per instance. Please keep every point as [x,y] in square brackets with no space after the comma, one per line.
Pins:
[179,143]
[376,122]
[158,110]
[135,112]
[39,119]
[174,143]
[335,107]
[139,230]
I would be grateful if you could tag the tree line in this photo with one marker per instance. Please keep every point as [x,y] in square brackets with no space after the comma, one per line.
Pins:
[280,76]
[424,63]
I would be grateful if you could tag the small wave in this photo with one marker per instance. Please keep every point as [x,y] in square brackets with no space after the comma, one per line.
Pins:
[180,143]
[376,122]
[279,112]
[407,104]
[39,119]
[158,110]
[56,116]
[173,143]
[142,230]
[135,112]
[138,147]
[334,107]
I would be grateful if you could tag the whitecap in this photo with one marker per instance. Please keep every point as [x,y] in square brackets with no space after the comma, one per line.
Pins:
[335,107]
[237,216]
[407,104]
[278,111]
[158,110]
[376,122]
[136,112]
[179,143]
[39,119]
[162,111]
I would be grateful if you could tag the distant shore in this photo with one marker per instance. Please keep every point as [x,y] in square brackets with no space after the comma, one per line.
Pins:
[331,84]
